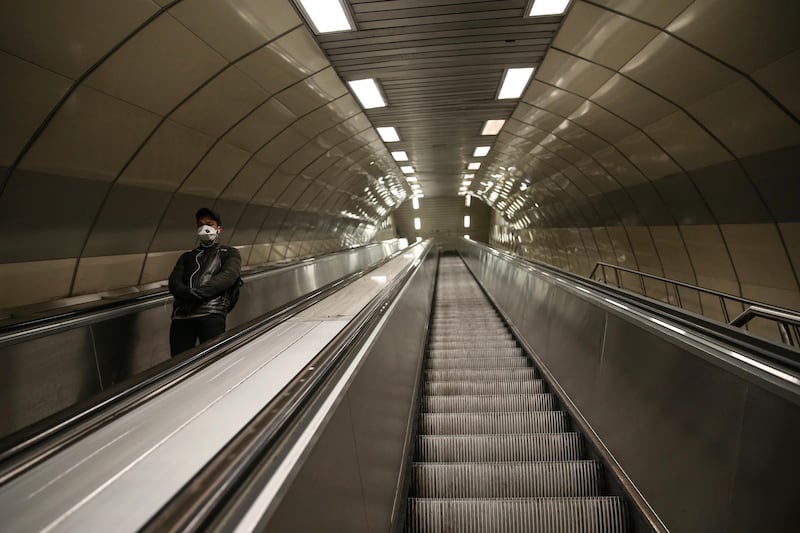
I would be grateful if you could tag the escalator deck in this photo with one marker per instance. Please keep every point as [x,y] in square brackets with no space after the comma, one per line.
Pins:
[493,452]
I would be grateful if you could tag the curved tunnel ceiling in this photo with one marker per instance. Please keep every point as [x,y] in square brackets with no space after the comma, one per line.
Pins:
[122,118]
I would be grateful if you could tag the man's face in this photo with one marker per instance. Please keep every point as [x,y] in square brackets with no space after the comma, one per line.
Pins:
[208,221]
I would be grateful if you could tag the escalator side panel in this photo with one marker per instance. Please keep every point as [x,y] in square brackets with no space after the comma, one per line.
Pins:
[696,432]
[46,374]
[353,476]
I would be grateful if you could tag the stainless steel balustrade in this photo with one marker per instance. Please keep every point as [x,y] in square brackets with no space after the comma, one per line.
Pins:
[784,322]
[703,432]
[55,364]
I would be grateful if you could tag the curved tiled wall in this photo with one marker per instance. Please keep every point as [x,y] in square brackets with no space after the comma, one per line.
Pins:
[125,117]
[662,137]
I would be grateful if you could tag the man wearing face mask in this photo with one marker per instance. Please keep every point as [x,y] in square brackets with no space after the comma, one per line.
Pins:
[201,282]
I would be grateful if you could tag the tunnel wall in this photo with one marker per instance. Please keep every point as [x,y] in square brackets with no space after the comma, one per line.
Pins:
[663,137]
[123,118]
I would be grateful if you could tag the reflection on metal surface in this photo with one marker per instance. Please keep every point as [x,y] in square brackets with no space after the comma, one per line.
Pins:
[61,365]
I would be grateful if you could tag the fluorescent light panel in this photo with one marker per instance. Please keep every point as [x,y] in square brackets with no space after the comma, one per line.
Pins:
[411,179]
[326,15]
[481,151]
[492,127]
[400,156]
[367,92]
[417,223]
[514,82]
[541,8]
[468,200]
[415,202]
[388,134]
[407,169]
[466,221]
[474,166]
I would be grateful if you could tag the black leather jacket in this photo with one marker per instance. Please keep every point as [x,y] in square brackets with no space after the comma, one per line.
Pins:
[201,279]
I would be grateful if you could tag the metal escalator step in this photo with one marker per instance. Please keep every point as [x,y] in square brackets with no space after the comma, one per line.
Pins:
[459,388]
[506,480]
[479,344]
[444,335]
[489,404]
[487,374]
[477,362]
[444,353]
[496,448]
[601,514]
[493,423]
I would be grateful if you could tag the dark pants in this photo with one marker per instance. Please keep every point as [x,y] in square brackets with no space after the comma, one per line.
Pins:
[185,332]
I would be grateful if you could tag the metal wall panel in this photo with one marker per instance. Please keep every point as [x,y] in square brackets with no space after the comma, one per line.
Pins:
[709,442]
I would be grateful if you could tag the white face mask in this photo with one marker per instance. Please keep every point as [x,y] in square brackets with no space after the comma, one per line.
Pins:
[207,233]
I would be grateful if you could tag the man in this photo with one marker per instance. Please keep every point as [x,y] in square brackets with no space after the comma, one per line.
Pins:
[200,283]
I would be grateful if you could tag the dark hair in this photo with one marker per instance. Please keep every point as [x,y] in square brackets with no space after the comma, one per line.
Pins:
[206,212]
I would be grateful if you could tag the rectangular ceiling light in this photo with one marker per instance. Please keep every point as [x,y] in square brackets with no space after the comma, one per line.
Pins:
[407,169]
[541,8]
[481,151]
[468,200]
[326,15]
[468,176]
[492,127]
[466,237]
[417,223]
[514,82]
[411,179]
[419,239]
[474,166]
[388,134]
[367,92]
[415,202]
[466,221]
[400,156]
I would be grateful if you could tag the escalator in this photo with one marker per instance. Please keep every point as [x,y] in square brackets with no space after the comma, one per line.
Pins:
[493,451]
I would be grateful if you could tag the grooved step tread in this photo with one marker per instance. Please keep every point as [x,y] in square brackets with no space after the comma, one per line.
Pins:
[489,403]
[493,423]
[506,480]
[459,388]
[600,514]
[487,374]
[499,448]
[477,362]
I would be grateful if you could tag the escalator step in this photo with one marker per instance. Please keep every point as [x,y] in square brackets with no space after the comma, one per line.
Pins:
[477,362]
[488,374]
[458,388]
[497,448]
[493,423]
[489,404]
[506,480]
[602,514]
[471,343]
[471,351]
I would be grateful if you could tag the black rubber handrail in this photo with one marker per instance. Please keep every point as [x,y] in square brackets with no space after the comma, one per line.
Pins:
[769,351]
[788,323]
[30,446]
[41,326]
[217,493]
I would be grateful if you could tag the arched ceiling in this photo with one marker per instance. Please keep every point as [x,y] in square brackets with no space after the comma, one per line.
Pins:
[123,117]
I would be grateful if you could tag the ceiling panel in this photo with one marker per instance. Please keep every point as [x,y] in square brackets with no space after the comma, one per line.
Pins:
[439,65]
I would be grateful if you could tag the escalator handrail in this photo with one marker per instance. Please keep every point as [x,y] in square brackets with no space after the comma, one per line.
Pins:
[30,446]
[769,352]
[43,326]
[216,486]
